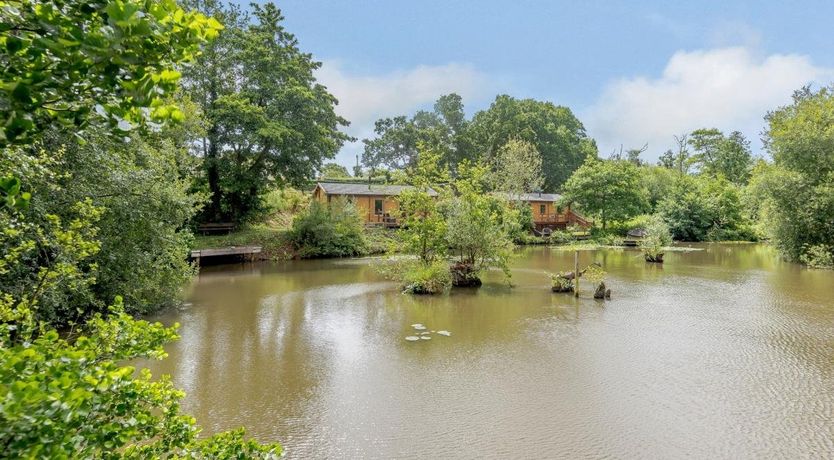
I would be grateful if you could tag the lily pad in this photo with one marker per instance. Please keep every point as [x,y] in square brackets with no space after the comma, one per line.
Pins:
[412,338]
[425,337]
[425,333]
[446,333]
[419,327]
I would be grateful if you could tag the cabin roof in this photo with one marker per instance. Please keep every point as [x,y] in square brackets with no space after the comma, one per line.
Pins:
[360,188]
[551,197]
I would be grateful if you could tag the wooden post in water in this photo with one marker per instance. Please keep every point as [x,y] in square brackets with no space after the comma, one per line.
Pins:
[576,273]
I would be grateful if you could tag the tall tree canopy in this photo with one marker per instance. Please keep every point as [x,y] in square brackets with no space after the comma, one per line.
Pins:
[441,130]
[555,132]
[270,122]
[716,154]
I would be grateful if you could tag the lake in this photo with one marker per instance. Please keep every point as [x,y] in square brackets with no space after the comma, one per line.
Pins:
[721,352]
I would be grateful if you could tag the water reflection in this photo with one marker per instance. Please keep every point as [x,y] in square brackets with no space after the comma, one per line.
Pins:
[723,352]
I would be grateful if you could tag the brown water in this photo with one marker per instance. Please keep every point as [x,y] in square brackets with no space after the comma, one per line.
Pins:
[721,353]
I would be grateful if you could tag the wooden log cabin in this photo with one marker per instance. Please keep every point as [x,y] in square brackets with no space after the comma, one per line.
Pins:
[377,203]
[549,214]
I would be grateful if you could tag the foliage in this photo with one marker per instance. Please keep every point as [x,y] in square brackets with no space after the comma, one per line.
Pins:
[479,231]
[73,399]
[69,396]
[333,230]
[66,61]
[608,189]
[400,139]
[818,256]
[421,278]
[715,154]
[656,238]
[46,258]
[594,274]
[797,191]
[702,208]
[333,171]
[423,230]
[658,182]
[518,169]
[270,122]
[560,282]
[144,240]
[554,131]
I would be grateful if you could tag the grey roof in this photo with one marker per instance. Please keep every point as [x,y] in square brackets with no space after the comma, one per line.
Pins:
[534,196]
[359,188]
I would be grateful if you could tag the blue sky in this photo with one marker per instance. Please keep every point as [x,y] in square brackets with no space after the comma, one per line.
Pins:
[634,72]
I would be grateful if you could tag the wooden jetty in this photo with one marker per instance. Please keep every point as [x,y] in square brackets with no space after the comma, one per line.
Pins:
[248,253]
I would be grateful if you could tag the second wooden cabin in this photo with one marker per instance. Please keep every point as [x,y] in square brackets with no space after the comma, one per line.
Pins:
[378,205]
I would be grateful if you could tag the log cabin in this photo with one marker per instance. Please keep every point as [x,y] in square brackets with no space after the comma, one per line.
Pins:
[548,213]
[377,203]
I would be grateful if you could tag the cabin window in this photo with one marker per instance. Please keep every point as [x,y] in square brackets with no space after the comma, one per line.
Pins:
[558,209]
[542,208]
[377,206]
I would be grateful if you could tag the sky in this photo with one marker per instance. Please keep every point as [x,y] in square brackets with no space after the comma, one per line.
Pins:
[635,73]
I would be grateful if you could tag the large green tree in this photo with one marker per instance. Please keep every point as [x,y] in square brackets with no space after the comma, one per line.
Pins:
[554,130]
[797,191]
[269,121]
[607,189]
[716,154]
[397,141]
[70,395]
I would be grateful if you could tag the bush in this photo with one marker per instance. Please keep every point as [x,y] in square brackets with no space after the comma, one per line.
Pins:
[328,231]
[818,256]
[78,399]
[657,237]
[419,278]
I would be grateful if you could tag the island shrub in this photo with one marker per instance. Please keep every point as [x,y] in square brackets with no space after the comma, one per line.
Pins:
[560,282]
[323,230]
[657,237]
[419,278]
[477,237]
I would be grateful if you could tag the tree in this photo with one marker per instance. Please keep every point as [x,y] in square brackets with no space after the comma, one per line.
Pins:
[70,395]
[398,139]
[554,130]
[479,227]
[608,189]
[64,62]
[716,154]
[333,171]
[699,208]
[270,122]
[677,160]
[518,169]
[797,191]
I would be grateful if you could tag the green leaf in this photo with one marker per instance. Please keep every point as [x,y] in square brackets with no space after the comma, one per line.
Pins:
[13,44]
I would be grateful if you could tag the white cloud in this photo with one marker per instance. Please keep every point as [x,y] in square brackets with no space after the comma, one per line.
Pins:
[365,98]
[726,88]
